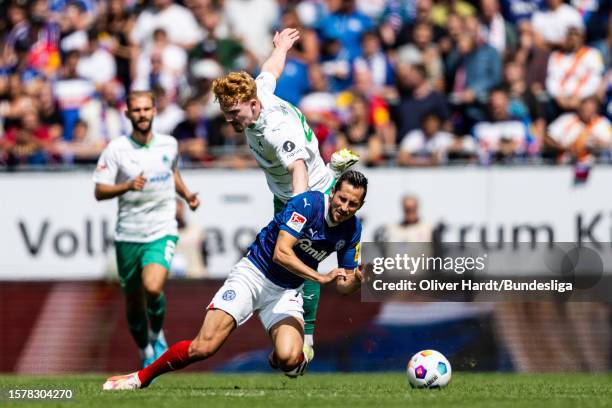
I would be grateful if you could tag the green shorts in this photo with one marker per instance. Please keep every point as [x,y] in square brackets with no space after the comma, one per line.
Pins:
[132,257]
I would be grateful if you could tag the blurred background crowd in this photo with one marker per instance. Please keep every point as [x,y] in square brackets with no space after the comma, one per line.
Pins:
[403,82]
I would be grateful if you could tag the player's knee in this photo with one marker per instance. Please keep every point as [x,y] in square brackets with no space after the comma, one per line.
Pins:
[153,289]
[202,348]
[288,359]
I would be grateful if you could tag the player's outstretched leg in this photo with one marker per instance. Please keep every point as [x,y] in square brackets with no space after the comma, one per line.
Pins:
[342,160]
[216,329]
[288,354]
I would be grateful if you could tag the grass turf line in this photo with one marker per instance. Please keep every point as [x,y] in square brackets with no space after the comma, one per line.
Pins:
[326,390]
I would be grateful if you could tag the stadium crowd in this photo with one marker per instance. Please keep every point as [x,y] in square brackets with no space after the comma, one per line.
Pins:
[403,82]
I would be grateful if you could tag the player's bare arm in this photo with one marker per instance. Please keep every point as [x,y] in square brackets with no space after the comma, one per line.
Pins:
[108,191]
[286,257]
[299,175]
[283,42]
[181,189]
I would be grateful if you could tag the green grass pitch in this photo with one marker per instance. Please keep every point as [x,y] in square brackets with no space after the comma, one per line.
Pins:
[326,390]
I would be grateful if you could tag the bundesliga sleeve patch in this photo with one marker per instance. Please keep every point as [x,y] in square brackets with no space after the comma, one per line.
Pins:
[296,222]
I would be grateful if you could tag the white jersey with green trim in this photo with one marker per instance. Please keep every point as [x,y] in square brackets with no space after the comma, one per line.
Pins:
[281,136]
[147,215]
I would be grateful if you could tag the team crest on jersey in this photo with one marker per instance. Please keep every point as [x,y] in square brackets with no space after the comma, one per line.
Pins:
[340,244]
[288,146]
[296,222]
[165,158]
[229,295]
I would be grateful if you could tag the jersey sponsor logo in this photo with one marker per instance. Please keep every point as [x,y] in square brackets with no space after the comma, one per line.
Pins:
[340,244]
[296,222]
[159,177]
[306,246]
[288,146]
[229,295]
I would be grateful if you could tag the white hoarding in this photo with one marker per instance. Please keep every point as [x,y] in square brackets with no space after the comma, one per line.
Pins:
[52,227]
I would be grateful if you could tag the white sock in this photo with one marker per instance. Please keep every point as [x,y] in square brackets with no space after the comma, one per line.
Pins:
[154,336]
[309,340]
[147,352]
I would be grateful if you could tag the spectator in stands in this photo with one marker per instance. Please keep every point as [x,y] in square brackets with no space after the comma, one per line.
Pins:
[115,27]
[574,72]
[49,112]
[71,92]
[18,32]
[83,148]
[360,134]
[495,31]
[346,24]
[411,228]
[477,69]
[294,81]
[25,144]
[517,11]
[417,98]
[427,146]
[577,136]
[161,63]
[307,47]
[96,63]
[252,23]
[192,133]
[335,64]
[375,61]
[424,51]
[533,58]
[218,46]
[168,115]
[406,32]
[103,119]
[176,20]
[551,25]
[74,22]
[595,15]
[523,104]
[501,138]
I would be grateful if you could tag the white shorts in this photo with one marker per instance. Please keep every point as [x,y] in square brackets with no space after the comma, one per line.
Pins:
[246,291]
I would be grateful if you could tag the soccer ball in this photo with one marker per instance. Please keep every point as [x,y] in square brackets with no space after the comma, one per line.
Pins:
[428,369]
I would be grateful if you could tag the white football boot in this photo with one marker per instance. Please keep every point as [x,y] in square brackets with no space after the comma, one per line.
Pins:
[122,382]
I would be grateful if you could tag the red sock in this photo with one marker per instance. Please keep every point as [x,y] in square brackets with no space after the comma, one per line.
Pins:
[175,358]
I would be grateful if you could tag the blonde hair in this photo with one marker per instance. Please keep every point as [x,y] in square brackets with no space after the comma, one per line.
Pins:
[138,94]
[234,88]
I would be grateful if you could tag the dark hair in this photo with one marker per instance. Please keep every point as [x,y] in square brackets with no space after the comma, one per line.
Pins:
[355,179]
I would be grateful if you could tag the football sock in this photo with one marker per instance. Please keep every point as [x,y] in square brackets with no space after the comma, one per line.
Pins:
[175,358]
[156,309]
[153,336]
[309,340]
[137,322]
[147,352]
